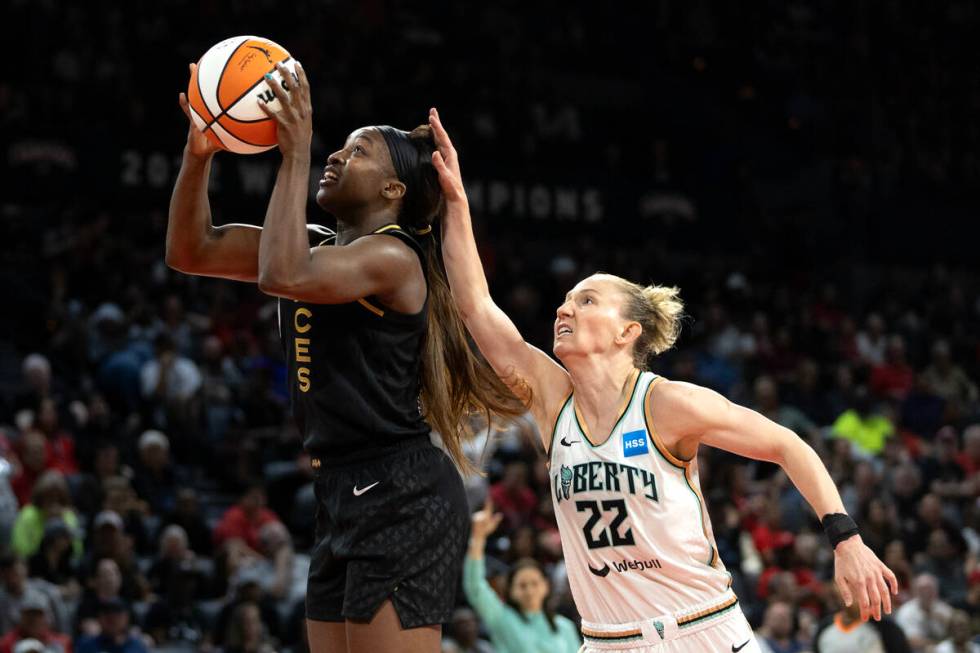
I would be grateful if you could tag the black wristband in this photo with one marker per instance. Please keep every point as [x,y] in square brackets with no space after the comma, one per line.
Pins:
[838,527]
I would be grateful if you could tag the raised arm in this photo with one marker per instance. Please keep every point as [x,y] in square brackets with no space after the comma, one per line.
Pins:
[685,415]
[194,245]
[521,366]
[287,267]
[478,591]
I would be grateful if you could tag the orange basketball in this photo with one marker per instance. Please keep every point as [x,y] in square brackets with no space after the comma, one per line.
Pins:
[225,91]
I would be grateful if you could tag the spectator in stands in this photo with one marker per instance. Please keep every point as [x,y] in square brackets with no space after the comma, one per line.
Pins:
[54,561]
[465,630]
[512,495]
[960,640]
[90,492]
[246,589]
[844,632]
[862,425]
[894,378]
[33,623]
[778,632]
[103,586]
[50,499]
[946,379]
[930,518]
[187,515]
[945,562]
[525,621]
[8,500]
[114,635]
[109,541]
[871,341]
[16,588]
[154,479]
[243,520]
[941,472]
[221,382]
[33,461]
[283,572]
[169,382]
[121,499]
[246,631]
[767,402]
[879,525]
[175,617]
[36,382]
[169,377]
[969,458]
[173,553]
[31,645]
[119,360]
[59,443]
[925,619]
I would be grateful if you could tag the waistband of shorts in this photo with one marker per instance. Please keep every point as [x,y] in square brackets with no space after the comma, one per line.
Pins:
[321,462]
[660,629]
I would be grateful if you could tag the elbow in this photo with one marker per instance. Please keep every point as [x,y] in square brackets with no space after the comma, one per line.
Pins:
[788,444]
[273,283]
[177,261]
[269,284]
[469,308]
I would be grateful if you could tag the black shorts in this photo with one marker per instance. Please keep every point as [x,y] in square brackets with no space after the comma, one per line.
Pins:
[392,527]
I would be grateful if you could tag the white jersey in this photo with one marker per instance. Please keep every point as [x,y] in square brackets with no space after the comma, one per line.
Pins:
[634,528]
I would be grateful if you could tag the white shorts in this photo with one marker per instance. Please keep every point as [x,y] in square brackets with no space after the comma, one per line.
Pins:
[721,630]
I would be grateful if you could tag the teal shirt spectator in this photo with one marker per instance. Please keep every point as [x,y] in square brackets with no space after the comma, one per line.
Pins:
[510,631]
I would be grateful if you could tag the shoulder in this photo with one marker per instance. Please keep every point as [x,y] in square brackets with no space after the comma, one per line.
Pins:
[681,402]
[391,251]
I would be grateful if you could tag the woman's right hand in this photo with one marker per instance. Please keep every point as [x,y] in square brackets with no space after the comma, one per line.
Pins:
[446,163]
[485,521]
[198,144]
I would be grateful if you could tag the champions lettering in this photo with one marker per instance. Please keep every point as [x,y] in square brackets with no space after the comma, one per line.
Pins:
[301,346]
[598,476]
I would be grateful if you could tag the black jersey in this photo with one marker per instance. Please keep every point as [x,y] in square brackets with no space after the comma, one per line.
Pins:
[355,371]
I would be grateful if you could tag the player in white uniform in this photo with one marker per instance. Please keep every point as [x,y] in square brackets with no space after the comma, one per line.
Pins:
[622,442]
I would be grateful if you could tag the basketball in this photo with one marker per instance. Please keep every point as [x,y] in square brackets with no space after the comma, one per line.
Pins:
[225,90]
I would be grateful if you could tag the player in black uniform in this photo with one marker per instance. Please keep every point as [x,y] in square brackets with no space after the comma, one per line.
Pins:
[368,372]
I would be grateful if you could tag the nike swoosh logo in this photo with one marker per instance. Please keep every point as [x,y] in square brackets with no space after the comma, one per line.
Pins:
[601,573]
[359,491]
[736,649]
[567,443]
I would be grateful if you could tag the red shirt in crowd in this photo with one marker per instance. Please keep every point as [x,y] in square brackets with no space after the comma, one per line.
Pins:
[48,638]
[892,380]
[235,524]
[516,504]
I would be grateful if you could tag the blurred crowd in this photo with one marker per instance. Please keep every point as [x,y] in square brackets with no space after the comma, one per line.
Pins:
[799,170]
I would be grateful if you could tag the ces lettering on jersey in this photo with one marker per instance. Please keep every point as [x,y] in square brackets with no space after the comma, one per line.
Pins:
[635,443]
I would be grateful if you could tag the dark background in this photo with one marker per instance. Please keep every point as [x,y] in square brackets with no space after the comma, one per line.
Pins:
[794,167]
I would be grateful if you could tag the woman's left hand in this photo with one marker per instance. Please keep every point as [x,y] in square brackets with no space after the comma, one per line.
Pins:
[446,162]
[859,574]
[294,120]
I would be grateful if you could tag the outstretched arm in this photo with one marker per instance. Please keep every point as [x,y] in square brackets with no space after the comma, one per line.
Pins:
[533,376]
[194,245]
[686,415]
